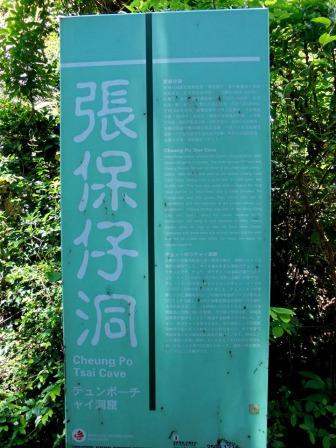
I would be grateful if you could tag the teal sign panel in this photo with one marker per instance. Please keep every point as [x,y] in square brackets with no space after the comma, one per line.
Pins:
[165,169]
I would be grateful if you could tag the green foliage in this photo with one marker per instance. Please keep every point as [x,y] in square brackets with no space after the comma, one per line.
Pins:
[317,413]
[31,357]
[283,321]
[312,409]
[303,104]
[183,5]
[25,71]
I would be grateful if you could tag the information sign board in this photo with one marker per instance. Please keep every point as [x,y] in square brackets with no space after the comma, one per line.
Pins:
[165,177]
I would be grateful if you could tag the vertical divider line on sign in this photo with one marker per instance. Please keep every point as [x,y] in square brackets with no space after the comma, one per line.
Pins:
[151,229]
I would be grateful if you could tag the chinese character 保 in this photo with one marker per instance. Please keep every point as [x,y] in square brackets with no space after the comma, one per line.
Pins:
[114,104]
[114,184]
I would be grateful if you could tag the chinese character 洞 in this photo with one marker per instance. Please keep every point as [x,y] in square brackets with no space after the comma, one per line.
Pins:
[114,318]
[114,111]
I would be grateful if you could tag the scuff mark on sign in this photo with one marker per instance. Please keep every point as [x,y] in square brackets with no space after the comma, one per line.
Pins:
[172,433]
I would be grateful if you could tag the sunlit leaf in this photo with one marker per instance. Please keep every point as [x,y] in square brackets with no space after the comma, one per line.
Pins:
[326,39]
[323,20]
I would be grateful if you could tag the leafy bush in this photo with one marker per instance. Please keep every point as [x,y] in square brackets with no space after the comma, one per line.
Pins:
[31,357]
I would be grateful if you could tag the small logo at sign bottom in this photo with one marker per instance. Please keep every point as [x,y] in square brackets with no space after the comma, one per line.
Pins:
[78,435]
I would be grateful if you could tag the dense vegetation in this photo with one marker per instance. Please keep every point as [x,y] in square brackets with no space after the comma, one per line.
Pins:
[302,392]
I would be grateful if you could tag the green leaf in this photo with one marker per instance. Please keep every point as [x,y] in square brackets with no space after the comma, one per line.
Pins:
[46,416]
[288,90]
[293,419]
[318,397]
[22,430]
[326,39]
[326,442]
[309,406]
[323,20]
[310,375]
[53,276]
[298,405]
[277,332]
[283,311]
[23,421]
[312,438]
[308,420]
[55,392]
[285,318]
[313,384]
[273,314]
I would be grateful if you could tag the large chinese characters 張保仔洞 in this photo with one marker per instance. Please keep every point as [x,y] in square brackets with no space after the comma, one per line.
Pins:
[105,108]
